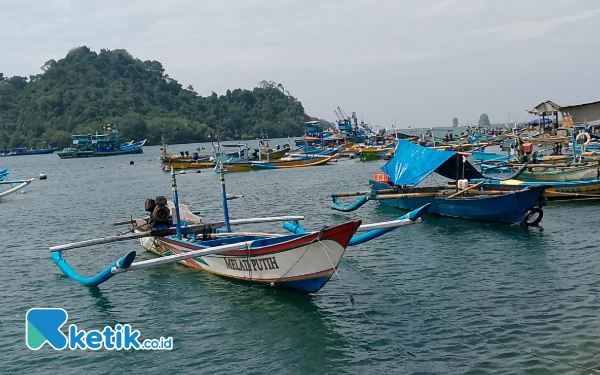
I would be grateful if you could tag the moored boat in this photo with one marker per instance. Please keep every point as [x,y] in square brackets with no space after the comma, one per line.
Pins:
[397,187]
[302,261]
[561,173]
[100,145]
[22,151]
[565,190]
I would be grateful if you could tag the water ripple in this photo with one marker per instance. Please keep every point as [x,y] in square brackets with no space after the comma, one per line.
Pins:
[536,290]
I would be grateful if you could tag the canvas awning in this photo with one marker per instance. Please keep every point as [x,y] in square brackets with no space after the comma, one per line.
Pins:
[412,163]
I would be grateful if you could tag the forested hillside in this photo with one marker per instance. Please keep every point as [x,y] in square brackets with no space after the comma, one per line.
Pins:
[86,90]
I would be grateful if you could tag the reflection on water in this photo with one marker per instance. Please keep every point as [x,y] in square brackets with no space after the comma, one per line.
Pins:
[533,289]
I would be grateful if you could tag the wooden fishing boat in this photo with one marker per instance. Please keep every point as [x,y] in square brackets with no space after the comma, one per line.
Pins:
[396,187]
[569,190]
[375,153]
[22,151]
[188,164]
[301,261]
[561,173]
[276,164]
[100,145]
[20,184]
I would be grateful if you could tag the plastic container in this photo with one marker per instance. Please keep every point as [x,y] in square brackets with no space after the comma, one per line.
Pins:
[382,177]
[528,147]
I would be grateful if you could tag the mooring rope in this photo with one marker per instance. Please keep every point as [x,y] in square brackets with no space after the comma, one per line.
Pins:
[317,239]
[404,295]
[335,271]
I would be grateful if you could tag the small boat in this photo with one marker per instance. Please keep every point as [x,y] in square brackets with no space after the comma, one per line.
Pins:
[396,187]
[22,151]
[368,153]
[13,189]
[276,164]
[232,164]
[556,173]
[565,190]
[303,261]
[3,173]
[100,145]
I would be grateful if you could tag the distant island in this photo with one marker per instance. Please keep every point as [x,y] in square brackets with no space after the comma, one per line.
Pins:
[86,90]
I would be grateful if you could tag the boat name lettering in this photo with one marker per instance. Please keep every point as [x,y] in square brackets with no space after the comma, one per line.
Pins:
[269,263]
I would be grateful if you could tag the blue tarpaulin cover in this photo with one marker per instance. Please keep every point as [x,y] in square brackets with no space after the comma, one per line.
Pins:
[536,121]
[412,163]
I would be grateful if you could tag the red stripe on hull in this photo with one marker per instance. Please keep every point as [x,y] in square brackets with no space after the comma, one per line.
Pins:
[341,234]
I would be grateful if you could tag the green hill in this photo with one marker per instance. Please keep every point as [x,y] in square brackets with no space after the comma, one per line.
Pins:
[86,90]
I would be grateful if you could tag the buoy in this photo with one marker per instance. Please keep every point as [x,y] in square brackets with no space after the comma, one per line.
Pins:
[131,162]
[199,171]
[580,138]
[43,176]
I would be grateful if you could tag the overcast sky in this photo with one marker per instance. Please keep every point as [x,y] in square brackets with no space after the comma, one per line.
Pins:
[411,61]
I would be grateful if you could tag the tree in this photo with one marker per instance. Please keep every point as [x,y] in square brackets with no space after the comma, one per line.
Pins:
[484,120]
[455,122]
[87,90]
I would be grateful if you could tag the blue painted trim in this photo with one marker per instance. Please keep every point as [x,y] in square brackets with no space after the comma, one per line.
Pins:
[176,201]
[295,227]
[101,277]
[307,286]
[350,207]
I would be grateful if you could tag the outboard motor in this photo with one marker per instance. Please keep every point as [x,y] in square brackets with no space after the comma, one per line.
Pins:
[150,205]
[159,211]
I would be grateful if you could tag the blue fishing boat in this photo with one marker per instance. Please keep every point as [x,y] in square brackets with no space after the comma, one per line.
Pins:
[22,151]
[3,173]
[100,145]
[396,187]
[303,261]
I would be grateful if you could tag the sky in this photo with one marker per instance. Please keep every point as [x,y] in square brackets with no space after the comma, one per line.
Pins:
[412,62]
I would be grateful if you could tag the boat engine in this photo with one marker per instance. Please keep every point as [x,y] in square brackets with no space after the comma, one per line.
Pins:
[158,209]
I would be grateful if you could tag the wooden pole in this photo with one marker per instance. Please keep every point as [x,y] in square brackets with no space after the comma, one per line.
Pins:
[469,188]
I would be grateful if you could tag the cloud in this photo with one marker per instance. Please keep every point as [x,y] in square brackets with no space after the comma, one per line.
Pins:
[536,28]
[365,54]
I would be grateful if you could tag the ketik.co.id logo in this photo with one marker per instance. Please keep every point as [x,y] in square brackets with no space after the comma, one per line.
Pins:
[43,326]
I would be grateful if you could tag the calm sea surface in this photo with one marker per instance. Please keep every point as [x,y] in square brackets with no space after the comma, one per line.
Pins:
[535,290]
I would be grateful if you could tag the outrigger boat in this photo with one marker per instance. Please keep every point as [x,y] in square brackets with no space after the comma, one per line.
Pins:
[396,187]
[302,262]
[556,191]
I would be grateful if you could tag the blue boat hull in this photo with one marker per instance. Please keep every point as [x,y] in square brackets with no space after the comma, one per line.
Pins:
[31,152]
[509,208]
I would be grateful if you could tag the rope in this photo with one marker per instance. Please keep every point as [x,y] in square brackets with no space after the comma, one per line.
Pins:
[317,239]
[403,295]
[335,271]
